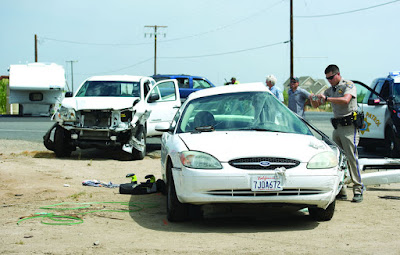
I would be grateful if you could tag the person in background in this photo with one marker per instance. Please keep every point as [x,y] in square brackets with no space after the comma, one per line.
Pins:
[233,81]
[271,81]
[343,97]
[298,97]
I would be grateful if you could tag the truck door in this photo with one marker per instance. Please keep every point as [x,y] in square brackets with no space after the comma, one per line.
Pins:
[163,101]
[376,111]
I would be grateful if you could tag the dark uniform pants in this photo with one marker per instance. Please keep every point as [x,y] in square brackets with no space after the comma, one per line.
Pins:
[347,137]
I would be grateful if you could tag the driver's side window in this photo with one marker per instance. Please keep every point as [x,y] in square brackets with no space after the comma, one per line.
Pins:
[146,87]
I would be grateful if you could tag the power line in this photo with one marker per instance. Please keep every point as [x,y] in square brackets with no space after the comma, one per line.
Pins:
[231,52]
[120,69]
[173,39]
[341,13]
[225,26]
[96,44]
[210,55]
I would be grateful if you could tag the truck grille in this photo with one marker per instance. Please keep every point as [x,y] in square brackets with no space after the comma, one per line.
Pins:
[100,119]
[263,163]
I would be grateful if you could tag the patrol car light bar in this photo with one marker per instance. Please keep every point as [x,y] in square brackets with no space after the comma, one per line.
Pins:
[396,73]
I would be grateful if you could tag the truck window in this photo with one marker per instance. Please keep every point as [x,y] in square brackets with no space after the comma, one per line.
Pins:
[183,83]
[385,90]
[200,84]
[362,94]
[377,88]
[396,92]
[146,87]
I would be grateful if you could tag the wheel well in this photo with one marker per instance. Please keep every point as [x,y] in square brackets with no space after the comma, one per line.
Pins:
[388,128]
[168,170]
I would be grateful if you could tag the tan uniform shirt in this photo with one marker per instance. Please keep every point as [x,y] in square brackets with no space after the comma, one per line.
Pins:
[342,88]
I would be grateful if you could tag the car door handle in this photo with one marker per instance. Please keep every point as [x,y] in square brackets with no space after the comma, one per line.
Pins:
[176,107]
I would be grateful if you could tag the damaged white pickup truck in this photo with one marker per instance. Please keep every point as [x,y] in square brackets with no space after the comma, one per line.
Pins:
[116,112]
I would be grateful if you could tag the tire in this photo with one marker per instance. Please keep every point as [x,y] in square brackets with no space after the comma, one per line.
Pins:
[176,211]
[392,145]
[320,214]
[139,155]
[62,147]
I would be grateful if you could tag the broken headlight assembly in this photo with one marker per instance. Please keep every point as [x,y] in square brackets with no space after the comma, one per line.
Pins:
[66,114]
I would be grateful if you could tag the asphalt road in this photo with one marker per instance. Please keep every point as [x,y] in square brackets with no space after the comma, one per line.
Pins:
[34,128]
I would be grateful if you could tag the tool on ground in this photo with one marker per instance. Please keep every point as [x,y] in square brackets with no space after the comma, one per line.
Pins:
[133,188]
[133,177]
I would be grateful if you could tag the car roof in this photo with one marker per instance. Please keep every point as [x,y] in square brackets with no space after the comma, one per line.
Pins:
[243,87]
[117,78]
[177,75]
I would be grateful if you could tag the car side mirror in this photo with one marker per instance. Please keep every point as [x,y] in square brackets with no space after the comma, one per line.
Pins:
[68,94]
[135,102]
[153,98]
[376,102]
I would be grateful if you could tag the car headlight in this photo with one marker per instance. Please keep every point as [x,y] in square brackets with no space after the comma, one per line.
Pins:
[326,159]
[66,114]
[199,160]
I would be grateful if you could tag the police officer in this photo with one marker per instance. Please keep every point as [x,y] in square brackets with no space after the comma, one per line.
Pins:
[343,96]
[232,82]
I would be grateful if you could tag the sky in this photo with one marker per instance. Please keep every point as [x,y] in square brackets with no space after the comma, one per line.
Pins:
[216,39]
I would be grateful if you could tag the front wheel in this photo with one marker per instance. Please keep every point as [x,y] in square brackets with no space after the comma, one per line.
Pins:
[176,211]
[392,144]
[137,154]
[61,142]
[320,214]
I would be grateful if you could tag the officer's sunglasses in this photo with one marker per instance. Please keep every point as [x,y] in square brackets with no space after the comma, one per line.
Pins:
[331,77]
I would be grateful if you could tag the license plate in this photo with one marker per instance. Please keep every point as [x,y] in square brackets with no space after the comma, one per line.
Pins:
[266,183]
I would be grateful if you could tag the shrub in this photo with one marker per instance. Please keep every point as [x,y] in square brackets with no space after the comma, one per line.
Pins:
[3,96]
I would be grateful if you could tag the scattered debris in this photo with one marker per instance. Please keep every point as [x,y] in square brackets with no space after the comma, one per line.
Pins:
[97,183]
[390,197]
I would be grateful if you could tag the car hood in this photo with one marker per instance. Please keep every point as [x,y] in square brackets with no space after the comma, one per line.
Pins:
[240,144]
[98,103]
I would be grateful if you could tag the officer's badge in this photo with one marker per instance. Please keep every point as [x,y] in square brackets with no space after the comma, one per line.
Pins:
[340,91]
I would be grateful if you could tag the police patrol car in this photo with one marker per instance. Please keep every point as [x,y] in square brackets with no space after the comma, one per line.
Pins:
[381,106]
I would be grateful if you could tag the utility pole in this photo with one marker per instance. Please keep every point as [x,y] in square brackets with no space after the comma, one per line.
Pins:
[291,38]
[72,73]
[36,48]
[155,43]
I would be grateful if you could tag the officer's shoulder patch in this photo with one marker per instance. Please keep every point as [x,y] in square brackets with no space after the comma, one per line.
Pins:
[349,84]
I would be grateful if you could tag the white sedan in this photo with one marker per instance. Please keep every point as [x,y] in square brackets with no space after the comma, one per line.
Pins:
[239,144]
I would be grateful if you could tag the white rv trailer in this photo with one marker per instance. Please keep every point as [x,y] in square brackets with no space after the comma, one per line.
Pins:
[36,87]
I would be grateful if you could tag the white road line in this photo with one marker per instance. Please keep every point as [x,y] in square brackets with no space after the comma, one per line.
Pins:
[14,130]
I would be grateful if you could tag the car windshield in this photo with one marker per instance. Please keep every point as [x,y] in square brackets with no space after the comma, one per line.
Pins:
[109,89]
[253,111]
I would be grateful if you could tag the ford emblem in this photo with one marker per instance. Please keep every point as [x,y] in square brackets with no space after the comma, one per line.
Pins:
[265,163]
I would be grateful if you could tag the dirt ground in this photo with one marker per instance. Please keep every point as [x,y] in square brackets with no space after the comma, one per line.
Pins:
[96,220]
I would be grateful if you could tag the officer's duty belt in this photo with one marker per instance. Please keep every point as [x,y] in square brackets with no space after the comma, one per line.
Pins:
[345,121]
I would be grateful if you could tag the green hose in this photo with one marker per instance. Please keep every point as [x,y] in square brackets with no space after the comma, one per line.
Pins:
[74,219]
